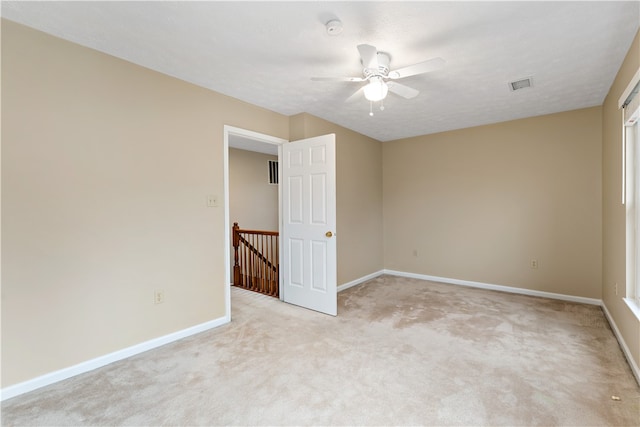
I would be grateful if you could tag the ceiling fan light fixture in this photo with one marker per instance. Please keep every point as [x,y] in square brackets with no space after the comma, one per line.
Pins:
[376,90]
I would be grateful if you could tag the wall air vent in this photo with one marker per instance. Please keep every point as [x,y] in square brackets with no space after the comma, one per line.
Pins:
[273,172]
[521,84]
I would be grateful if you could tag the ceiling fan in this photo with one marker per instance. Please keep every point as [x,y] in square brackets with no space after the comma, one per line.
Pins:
[380,79]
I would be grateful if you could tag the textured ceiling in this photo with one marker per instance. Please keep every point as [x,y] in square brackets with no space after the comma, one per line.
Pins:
[266,52]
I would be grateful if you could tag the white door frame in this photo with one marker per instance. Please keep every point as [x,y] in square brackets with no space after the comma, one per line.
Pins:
[267,139]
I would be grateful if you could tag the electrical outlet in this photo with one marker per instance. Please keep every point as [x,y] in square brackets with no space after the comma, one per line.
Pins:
[158,297]
[534,263]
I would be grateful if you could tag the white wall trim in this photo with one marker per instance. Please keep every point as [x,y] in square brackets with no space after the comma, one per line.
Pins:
[98,362]
[227,226]
[262,138]
[623,344]
[501,288]
[360,280]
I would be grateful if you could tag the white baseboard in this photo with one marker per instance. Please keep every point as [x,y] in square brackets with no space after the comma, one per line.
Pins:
[623,344]
[501,288]
[89,365]
[360,280]
[98,362]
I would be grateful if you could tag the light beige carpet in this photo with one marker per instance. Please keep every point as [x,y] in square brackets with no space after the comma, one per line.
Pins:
[400,352]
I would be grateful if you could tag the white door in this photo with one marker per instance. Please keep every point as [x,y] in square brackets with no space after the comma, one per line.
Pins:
[309,270]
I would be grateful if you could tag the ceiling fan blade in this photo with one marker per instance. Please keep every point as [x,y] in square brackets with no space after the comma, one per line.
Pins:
[357,94]
[419,68]
[337,79]
[369,55]
[402,90]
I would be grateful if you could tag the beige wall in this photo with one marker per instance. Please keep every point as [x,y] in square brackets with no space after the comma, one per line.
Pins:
[478,204]
[105,171]
[613,265]
[359,198]
[253,202]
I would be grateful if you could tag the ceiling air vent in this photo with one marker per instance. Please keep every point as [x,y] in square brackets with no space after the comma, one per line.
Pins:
[521,84]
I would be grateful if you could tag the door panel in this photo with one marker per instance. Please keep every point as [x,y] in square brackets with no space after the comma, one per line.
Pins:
[318,204]
[318,266]
[295,199]
[296,262]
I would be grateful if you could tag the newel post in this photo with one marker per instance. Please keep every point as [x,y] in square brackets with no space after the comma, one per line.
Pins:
[236,265]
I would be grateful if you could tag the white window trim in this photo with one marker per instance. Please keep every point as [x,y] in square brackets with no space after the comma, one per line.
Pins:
[623,98]
[634,81]
[632,224]
[633,306]
[631,193]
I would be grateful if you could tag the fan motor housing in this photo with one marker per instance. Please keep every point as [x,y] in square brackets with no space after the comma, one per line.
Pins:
[383,66]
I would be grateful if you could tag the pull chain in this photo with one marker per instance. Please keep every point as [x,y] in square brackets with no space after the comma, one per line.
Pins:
[371,108]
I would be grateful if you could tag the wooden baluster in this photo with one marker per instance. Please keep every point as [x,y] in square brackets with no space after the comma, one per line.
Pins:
[261,250]
[258,264]
[236,266]
[256,260]
[265,262]
[243,264]
[276,276]
[269,257]
[248,255]
[274,282]
[245,268]
[274,285]
[253,262]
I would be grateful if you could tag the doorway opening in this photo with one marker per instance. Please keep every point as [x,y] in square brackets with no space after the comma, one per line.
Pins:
[250,141]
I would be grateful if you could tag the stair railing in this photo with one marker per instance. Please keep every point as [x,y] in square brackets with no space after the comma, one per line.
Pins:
[255,260]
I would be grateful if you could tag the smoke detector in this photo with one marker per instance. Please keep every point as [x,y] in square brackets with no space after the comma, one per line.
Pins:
[334,27]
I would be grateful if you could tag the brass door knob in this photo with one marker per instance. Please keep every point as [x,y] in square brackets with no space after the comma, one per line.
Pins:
[328,234]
